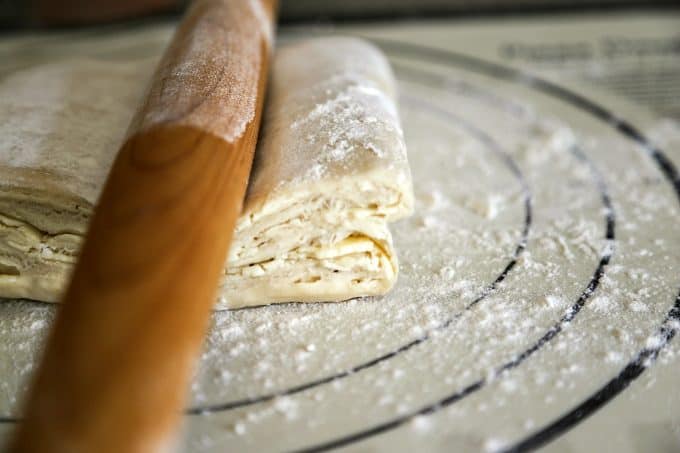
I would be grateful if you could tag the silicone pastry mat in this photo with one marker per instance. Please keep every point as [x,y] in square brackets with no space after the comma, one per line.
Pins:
[538,295]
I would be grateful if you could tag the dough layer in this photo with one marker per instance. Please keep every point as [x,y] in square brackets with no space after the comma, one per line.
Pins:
[330,173]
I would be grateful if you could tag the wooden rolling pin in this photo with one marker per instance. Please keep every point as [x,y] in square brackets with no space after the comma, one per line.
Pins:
[118,361]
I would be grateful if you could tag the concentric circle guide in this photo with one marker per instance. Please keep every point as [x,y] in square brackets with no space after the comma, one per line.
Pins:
[591,286]
[491,145]
[496,150]
[637,365]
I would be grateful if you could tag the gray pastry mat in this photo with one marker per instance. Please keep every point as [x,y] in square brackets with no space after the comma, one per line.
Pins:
[538,295]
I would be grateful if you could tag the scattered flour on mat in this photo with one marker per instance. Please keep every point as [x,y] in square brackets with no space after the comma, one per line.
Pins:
[558,244]
[627,289]
[446,264]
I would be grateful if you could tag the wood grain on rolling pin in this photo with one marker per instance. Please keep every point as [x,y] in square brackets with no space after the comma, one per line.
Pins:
[116,367]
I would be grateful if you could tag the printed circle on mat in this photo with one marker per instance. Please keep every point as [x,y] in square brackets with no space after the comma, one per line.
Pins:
[538,281]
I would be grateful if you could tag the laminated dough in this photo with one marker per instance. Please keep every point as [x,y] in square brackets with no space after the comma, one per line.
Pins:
[330,173]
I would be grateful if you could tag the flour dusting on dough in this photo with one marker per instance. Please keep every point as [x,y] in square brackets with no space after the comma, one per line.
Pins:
[45,114]
[249,353]
[333,101]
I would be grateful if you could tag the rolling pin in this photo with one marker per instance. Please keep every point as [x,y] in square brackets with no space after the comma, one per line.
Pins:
[117,363]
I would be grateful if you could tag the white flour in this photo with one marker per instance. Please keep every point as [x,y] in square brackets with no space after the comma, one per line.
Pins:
[467,226]
[45,113]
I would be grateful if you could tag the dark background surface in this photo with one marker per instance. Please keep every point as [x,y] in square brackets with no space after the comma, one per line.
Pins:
[27,14]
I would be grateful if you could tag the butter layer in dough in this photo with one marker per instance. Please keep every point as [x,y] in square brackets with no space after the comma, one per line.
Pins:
[330,172]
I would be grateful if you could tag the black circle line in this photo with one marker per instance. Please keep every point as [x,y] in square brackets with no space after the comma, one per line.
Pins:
[646,356]
[606,393]
[486,291]
[499,71]
[570,314]
[636,367]
[667,331]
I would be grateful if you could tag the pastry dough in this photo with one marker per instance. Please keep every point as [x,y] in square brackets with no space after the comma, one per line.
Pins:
[330,172]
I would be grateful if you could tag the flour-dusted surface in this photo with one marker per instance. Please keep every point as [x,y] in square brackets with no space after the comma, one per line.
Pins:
[333,102]
[79,106]
[213,72]
[482,151]
[330,172]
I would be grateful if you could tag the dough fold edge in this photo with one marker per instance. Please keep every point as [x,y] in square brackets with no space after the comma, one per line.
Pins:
[328,242]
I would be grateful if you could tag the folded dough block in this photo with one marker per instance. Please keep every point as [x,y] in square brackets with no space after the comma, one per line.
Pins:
[330,172]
